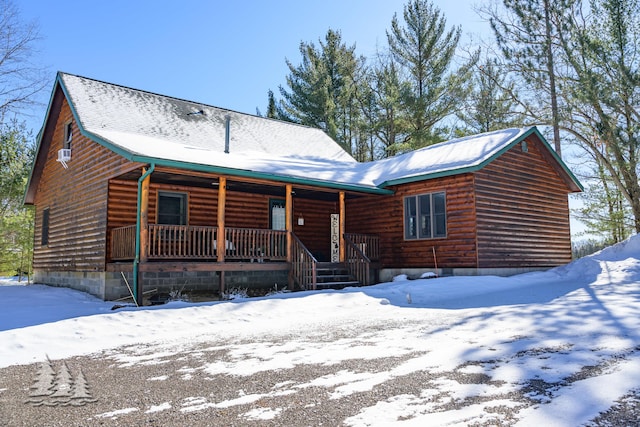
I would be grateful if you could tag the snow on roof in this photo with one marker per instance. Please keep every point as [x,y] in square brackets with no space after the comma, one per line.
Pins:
[119,114]
[454,155]
[156,127]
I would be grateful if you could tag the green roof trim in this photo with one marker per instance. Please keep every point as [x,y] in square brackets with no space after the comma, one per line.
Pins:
[380,189]
[213,169]
[475,168]
[260,175]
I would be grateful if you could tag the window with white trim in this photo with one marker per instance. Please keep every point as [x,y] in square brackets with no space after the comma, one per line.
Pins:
[425,216]
[172,208]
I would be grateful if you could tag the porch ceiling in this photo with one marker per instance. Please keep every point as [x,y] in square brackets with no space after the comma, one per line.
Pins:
[240,186]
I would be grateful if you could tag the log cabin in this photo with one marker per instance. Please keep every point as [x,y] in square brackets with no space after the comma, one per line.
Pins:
[134,191]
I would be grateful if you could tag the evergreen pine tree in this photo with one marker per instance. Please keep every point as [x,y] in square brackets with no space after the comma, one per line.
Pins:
[322,88]
[527,32]
[425,48]
[490,105]
[602,54]
[389,120]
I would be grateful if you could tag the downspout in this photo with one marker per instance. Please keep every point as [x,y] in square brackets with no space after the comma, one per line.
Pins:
[136,260]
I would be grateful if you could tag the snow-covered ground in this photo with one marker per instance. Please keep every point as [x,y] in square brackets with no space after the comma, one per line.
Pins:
[567,339]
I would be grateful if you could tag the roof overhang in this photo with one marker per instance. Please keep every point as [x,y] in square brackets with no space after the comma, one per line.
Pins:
[556,162]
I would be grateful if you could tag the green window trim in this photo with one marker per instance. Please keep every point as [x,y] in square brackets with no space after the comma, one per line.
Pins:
[425,216]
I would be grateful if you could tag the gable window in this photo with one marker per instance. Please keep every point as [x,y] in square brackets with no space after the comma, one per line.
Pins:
[425,216]
[172,208]
[68,135]
[45,227]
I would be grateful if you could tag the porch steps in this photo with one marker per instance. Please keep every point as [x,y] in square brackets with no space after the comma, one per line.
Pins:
[334,275]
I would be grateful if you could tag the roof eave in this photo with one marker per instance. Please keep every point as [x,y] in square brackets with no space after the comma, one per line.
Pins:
[29,194]
[133,157]
[573,185]
[261,175]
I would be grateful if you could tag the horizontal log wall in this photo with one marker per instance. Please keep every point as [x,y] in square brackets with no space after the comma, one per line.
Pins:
[315,234]
[76,198]
[523,211]
[384,216]
[242,210]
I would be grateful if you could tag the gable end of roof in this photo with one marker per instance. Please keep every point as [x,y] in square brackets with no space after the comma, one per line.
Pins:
[572,182]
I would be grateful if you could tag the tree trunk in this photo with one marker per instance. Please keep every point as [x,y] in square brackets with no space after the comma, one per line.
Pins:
[552,80]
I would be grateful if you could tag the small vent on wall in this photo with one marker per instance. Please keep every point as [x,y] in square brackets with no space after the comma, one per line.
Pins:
[64,155]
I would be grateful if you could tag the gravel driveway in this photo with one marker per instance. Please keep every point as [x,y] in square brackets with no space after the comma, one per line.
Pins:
[170,386]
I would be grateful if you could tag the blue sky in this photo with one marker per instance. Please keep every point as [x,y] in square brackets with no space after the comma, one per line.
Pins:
[222,53]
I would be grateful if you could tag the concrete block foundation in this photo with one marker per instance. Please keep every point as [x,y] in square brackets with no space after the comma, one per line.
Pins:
[110,286]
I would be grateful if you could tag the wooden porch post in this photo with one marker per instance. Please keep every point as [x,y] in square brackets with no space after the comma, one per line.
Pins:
[288,221]
[221,241]
[144,218]
[144,234]
[342,228]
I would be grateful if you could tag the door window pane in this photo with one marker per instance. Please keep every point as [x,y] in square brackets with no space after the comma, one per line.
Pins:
[278,215]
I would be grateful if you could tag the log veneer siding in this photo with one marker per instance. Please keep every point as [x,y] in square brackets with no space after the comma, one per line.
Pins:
[522,211]
[76,197]
[242,211]
[512,213]
[384,216]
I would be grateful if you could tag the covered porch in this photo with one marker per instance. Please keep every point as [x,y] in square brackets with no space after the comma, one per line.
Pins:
[224,223]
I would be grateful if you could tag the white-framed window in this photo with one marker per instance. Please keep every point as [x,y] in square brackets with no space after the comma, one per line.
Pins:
[172,208]
[68,135]
[425,216]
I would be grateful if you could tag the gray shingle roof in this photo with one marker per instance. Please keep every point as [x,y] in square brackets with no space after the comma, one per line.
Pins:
[149,127]
[110,111]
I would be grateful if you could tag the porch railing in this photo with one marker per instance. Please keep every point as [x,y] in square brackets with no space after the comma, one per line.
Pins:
[358,263]
[367,243]
[182,241]
[303,265]
[256,244]
[200,243]
[123,243]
